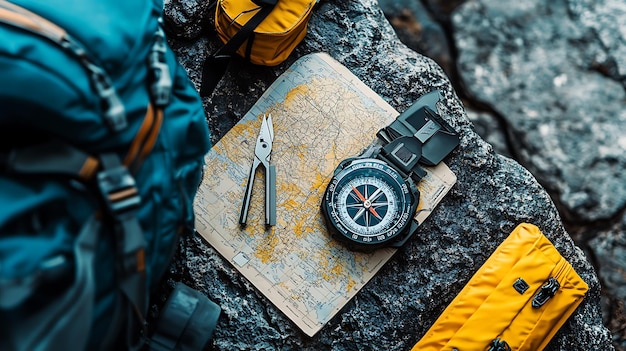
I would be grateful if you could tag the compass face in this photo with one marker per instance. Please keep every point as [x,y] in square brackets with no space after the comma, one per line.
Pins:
[368,203]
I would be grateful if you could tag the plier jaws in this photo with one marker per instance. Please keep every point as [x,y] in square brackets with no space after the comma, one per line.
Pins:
[262,156]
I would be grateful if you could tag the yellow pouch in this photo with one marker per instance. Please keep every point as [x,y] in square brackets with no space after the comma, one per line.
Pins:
[520,296]
[274,38]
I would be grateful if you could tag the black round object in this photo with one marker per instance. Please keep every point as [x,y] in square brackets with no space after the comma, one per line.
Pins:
[368,204]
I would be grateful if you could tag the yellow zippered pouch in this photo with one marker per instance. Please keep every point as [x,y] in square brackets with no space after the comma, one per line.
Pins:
[274,38]
[519,298]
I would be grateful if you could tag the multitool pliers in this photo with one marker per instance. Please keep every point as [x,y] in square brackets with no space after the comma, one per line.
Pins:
[262,154]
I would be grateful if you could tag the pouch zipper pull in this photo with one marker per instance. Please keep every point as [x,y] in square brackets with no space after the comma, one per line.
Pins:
[546,292]
[499,345]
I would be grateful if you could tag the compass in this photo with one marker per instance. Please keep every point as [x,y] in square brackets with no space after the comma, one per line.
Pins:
[368,203]
[371,199]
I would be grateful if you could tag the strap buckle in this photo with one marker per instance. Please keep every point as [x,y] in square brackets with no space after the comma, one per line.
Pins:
[114,114]
[161,86]
[119,191]
[404,153]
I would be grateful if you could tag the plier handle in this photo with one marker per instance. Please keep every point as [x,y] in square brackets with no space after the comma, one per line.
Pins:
[262,155]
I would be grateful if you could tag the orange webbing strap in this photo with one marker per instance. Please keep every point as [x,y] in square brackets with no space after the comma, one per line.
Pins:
[89,168]
[145,139]
[20,17]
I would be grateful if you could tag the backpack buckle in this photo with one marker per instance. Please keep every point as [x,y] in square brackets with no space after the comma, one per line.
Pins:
[119,191]
[114,112]
[161,86]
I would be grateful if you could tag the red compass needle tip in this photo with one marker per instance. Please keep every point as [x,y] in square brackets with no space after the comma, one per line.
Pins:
[366,203]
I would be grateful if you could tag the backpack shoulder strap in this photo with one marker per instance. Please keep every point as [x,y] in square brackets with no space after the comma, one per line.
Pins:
[19,17]
[52,158]
[57,158]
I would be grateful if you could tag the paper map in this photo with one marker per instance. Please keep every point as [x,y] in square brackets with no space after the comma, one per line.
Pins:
[322,114]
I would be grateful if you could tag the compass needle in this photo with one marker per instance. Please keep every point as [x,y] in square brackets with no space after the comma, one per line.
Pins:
[359,214]
[367,203]
[375,195]
[373,211]
[358,193]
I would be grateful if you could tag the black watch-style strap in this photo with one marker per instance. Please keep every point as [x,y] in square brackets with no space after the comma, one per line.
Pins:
[403,154]
[418,137]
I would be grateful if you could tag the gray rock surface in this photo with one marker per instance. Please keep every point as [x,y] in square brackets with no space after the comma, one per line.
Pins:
[493,194]
[554,69]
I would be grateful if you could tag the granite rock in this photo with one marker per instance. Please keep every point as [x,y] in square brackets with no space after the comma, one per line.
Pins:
[555,70]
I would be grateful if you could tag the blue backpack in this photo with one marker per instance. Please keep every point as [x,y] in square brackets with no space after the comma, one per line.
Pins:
[102,138]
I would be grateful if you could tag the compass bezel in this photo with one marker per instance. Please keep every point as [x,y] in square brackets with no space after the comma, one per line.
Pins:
[342,229]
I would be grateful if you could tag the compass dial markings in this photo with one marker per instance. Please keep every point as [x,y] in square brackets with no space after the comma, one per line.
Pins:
[367,203]
[359,213]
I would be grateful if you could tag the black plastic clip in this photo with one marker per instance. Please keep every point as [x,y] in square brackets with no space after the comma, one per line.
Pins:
[161,86]
[405,152]
[499,345]
[119,191]
[546,292]
[115,113]
[521,286]
[265,2]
